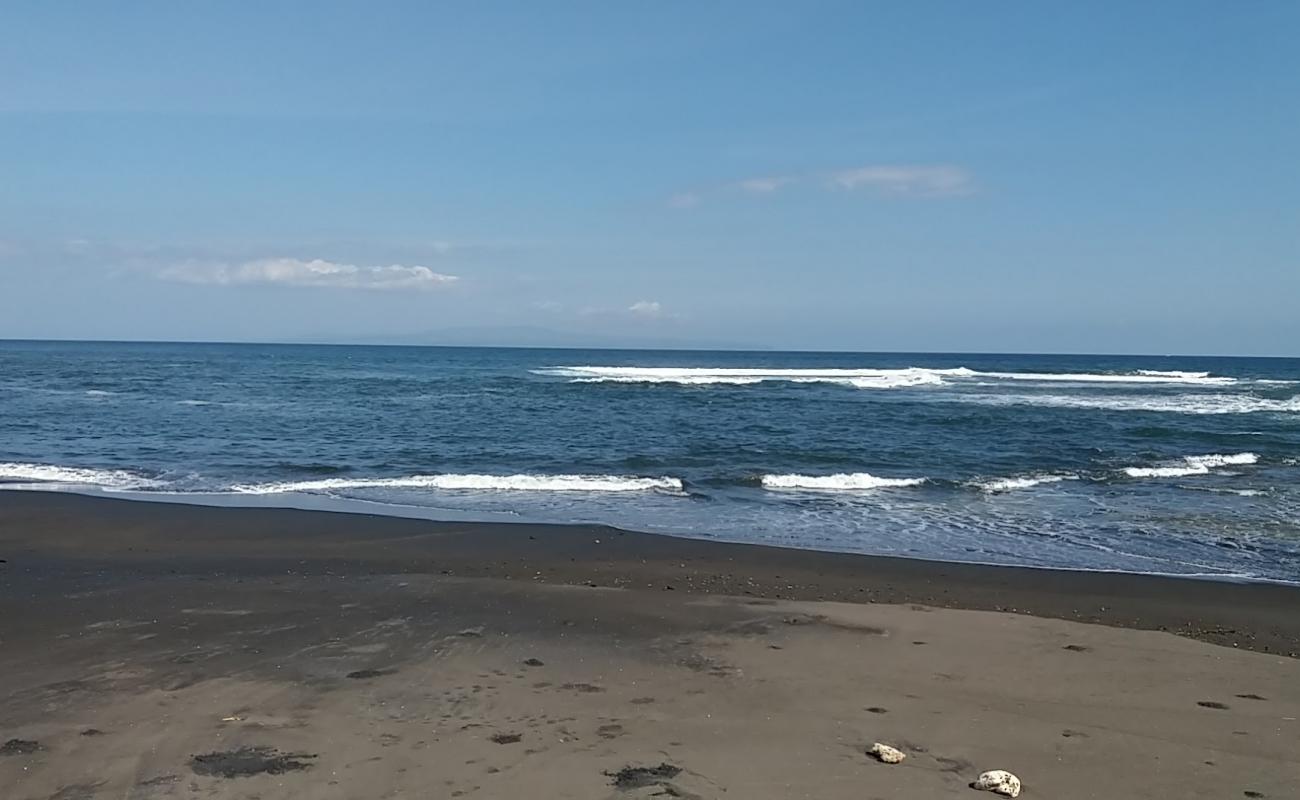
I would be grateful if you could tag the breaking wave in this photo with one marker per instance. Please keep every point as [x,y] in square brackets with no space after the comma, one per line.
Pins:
[1177,404]
[844,482]
[997,485]
[507,483]
[699,376]
[1192,465]
[17,472]
[861,378]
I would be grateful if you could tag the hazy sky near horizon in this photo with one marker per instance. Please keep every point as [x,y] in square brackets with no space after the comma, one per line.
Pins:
[1102,177]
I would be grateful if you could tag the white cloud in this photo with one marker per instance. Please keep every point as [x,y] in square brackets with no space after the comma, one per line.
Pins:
[930,181]
[764,185]
[646,308]
[313,273]
[918,180]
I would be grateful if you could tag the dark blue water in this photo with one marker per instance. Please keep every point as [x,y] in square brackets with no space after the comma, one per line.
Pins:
[1143,464]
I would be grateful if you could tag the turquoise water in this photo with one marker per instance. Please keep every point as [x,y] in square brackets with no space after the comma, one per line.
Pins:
[1142,464]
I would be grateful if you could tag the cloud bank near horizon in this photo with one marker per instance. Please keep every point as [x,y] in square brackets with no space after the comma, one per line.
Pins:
[304,273]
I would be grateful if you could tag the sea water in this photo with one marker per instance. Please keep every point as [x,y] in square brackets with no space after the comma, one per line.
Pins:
[1175,465]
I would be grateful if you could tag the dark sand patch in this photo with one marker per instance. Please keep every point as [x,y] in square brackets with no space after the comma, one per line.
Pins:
[1251,696]
[19,747]
[1211,704]
[585,688]
[363,674]
[245,761]
[506,738]
[534,662]
[1076,648]
[630,777]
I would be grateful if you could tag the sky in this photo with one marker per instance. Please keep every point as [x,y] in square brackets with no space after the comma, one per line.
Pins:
[1108,177]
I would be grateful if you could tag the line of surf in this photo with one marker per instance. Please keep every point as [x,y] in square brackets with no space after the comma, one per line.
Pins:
[474,482]
[863,377]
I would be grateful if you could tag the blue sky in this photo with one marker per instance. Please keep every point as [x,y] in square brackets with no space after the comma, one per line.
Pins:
[1107,177]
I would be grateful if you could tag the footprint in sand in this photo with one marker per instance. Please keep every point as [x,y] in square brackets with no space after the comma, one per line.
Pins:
[612,731]
[1211,704]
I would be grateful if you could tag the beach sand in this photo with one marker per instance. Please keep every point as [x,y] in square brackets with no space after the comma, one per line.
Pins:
[172,651]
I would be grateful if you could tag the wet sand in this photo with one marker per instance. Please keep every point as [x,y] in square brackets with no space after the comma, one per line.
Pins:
[167,651]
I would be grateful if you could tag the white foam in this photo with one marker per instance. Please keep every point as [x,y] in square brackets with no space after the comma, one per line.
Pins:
[1176,404]
[1192,465]
[193,402]
[843,482]
[1022,482]
[701,376]
[1141,376]
[73,476]
[99,393]
[864,378]
[1172,373]
[514,483]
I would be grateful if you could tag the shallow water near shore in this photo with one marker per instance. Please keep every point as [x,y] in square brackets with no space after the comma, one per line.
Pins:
[1184,466]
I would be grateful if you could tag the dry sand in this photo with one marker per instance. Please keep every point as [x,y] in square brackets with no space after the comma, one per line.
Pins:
[181,669]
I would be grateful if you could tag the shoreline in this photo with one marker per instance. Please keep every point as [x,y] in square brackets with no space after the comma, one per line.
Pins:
[445,516]
[92,530]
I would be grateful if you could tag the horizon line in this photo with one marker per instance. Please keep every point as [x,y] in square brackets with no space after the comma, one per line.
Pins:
[673,349]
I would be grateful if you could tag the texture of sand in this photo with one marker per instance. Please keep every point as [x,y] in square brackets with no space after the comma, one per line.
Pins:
[140,657]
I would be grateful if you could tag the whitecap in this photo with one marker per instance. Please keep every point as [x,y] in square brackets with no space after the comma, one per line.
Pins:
[1192,465]
[862,378]
[702,376]
[1172,373]
[996,485]
[1173,404]
[471,482]
[843,482]
[1142,376]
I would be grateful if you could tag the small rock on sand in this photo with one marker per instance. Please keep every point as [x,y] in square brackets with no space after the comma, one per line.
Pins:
[998,780]
[887,754]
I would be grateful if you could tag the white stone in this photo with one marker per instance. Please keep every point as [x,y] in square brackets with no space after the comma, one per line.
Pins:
[1000,781]
[887,754]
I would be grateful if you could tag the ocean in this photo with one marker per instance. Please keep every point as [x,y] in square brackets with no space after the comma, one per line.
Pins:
[1145,464]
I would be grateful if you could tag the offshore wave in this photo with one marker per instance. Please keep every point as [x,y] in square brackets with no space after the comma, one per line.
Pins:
[843,482]
[1176,404]
[701,376]
[53,474]
[863,378]
[1192,465]
[998,485]
[471,482]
